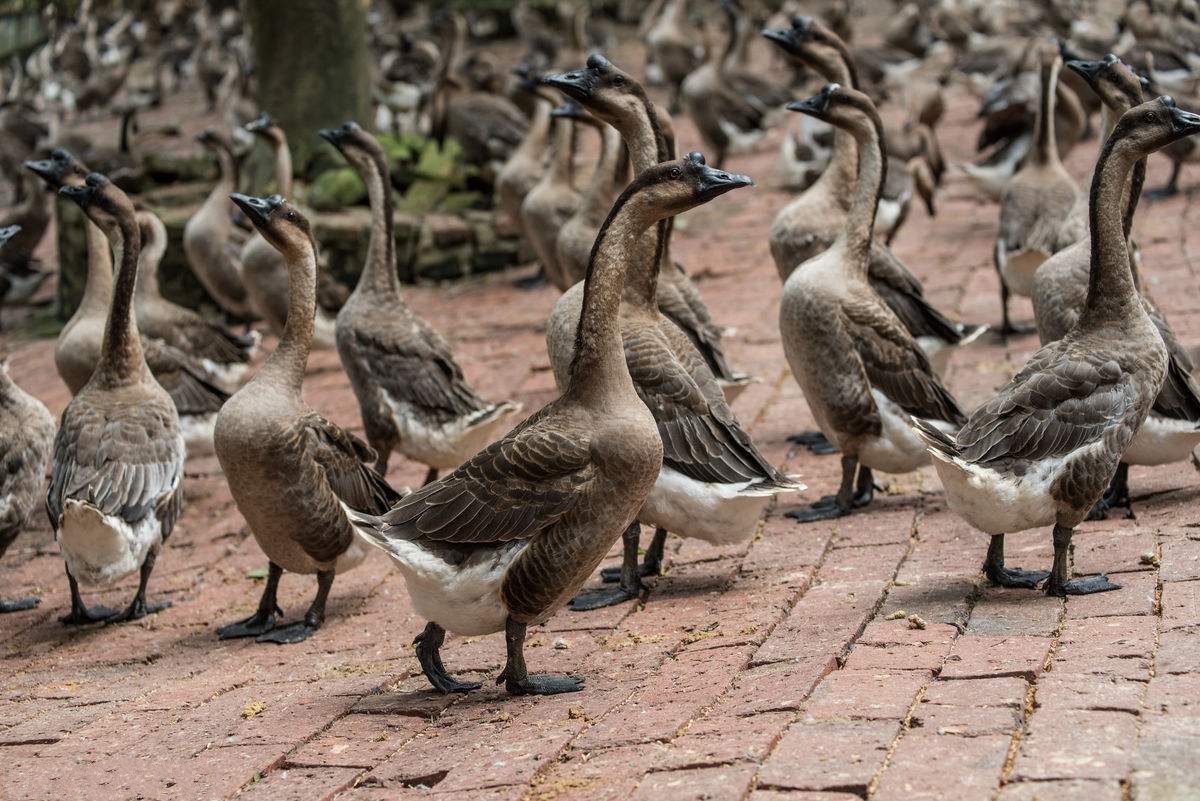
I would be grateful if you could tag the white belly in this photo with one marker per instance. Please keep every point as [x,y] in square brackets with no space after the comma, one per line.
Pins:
[716,513]
[887,215]
[938,351]
[1018,269]
[897,449]
[447,445]
[997,503]
[1162,441]
[100,548]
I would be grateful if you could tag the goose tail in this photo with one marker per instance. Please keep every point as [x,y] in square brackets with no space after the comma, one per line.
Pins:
[969,333]
[937,442]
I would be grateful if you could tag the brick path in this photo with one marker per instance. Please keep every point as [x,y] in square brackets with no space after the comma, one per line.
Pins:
[773,670]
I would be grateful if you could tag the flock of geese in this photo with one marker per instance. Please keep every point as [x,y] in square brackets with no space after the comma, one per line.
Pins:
[513,520]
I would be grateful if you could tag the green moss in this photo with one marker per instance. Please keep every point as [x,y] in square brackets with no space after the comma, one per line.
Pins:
[336,189]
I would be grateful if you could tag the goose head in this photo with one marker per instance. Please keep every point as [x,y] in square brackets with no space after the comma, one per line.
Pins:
[1153,125]
[1111,79]
[811,41]
[60,169]
[359,147]
[279,222]
[266,128]
[102,201]
[674,187]
[842,106]
[602,88]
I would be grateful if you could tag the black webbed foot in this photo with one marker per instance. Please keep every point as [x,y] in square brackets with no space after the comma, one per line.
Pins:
[18,604]
[1162,193]
[817,513]
[428,645]
[84,615]
[1015,577]
[254,626]
[1084,585]
[288,635]
[588,600]
[137,610]
[611,575]
[814,441]
[539,684]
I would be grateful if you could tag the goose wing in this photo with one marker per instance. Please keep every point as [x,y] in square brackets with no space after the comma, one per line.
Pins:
[127,462]
[345,460]
[1059,402]
[190,388]
[894,364]
[413,365]
[904,295]
[701,438]
[511,490]
[1179,398]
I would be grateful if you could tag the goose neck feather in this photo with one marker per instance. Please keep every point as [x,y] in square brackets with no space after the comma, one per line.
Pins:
[285,366]
[121,358]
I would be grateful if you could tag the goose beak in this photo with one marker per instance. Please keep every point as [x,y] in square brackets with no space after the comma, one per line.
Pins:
[259,124]
[1088,70]
[1184,122]
[257,209]
[44,169]
[815,106]
[576,84]
[784,37]
[81,195]
[713,182]
[331,135]
[8,233]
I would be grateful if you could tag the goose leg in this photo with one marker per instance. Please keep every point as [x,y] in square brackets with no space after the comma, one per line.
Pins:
[517,679]
[1001,576]
[429,644]
[1172,186]
[138,608]
[1061,583]
[81,614]
[18,604]
[263,620]
[864,491]
[1116,495]
[313,618]
[431,476]
[1007,326]
[651,560]
[631,577]
[383,453]
[815,441]
[832,506]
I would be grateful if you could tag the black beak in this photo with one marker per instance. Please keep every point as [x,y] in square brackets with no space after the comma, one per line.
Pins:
[784,37]
[331,135]
[576,84]
[81,195]
[8,233]
[568,110]
[45,169]
[258,125]
[1185,123]
[257,209]
[815,106]
[1088,70]
[712,182]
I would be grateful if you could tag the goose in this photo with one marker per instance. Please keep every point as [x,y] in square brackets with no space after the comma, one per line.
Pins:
[194,389]
[20,278]
[1040,208]
[264,272]
[861,371]
[116,482]
[552,200]
[672,49]
[714,483]
[1172,428]
[211,242]
[1045,448]
[514,532]
[293,473]
[526,165]
[811,223]
[614,97]
[26,437]
[1184,151]
[411,392]
[225,356]
[574,243]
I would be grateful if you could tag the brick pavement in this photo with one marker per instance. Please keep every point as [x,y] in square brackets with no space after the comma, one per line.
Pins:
[776,670]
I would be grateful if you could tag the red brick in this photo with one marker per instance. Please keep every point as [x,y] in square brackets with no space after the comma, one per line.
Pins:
[983,656]
[1005,692]
[301,784]
[1180,560]
[1107,646]
[1165,767]
[823,756]
[1076,744]
[776,686]
[1178,652]
[865,695]
[853,565]
[1112,550]
[1063,791]
[924,657]
[721,739]
[1174,694]
[937,599]
[934,767]
[1006,612]
[1136,597]
[800,795]
[824,622]
[725,783]
[1061,691]
[1180,604]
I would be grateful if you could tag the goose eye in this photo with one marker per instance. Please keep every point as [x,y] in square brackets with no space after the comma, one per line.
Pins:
[291,215]
[618,80]
[1149,116]
[676,172]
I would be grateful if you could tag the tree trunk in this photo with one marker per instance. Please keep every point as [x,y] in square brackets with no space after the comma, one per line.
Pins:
[311,66]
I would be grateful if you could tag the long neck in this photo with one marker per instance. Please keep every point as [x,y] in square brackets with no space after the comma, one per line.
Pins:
[600,189]
[121,358]
[860,220]
[534,143]
[840,174]
[562,167]
[97,291]
[647,146]
[283,165]
[644,138]
[147,284]
[599,362]
[1111,290]
[226,179]
[1045,148]
[285,367]
[379,273]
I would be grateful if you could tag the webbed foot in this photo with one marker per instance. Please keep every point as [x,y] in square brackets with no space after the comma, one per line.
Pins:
[1085,585]
[588,600]
[289,634]
[254,626]
[1015,577]
[814,441]
[817,513]
[137,610]
[540,684]
[18,604]
[83,615]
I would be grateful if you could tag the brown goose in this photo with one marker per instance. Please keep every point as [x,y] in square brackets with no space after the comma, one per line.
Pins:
[673,48]
[526,165]
[861,371]
[1185,151]
[26,436]
[1172,428]
[617,99]
[505,539]
[1045,448]
[211,242]
[714,483]
[193,388]
[412,394]
[292,473]
[20,277]
[553,200]
[1038,211]
[116,484]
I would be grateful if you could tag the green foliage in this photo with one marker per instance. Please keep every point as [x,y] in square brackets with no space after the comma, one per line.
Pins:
[336,189]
